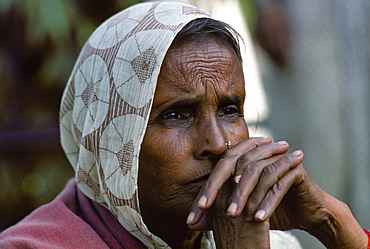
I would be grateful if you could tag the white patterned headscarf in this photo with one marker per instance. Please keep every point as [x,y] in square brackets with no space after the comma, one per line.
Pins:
[107,101]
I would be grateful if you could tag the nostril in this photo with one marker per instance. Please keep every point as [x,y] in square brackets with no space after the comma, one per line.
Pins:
[206,154]
[210,156]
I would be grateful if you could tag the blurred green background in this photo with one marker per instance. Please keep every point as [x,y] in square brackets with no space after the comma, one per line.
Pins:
[40,41]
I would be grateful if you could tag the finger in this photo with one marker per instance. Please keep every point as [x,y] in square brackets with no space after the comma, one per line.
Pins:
[269,181]
[222,172]
[225,168]
[249,180]
[246,145]
[260,153]
[195,218]
[275,195]
[268,177]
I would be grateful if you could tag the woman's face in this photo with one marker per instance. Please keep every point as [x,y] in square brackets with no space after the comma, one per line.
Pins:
[197,108]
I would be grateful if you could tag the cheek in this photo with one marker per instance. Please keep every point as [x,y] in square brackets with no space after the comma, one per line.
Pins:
[164,147]
[237,131]
[165,163]
[164,157]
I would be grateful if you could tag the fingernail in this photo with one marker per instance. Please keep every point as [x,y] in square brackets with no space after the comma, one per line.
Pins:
[202,201]
[265,137]
[232,209]
[190,218]
[297,152]
[282,142]
[260,214]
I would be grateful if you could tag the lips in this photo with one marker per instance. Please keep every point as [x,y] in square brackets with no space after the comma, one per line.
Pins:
[201,179]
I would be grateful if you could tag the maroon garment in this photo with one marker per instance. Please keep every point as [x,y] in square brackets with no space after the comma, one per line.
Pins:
[71,220]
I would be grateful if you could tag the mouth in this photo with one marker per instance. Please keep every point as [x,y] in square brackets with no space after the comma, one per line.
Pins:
[200,180]
[192,188]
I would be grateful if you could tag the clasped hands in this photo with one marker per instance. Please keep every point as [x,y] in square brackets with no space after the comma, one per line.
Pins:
[274,192]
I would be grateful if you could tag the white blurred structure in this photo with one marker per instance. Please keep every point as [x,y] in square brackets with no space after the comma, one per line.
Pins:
[256,108]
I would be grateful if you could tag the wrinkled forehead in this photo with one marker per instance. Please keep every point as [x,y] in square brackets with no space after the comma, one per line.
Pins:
[195,66]
[208,72]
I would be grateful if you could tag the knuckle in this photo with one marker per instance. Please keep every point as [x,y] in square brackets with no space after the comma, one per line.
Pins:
[245,159]
[256,144]
[251,169]
[276,188]
[274,193]
[286,159]
[210,187]
[207,187]
[226,165]
[270,169]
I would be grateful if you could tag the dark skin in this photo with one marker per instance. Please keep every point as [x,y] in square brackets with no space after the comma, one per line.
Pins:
[197,108]
[198,104]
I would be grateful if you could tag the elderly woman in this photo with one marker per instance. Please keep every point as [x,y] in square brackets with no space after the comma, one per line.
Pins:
[152,121]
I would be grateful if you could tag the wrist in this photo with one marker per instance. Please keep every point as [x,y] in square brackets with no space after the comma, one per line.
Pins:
[339,229]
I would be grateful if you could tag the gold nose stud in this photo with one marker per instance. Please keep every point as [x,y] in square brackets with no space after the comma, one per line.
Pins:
[228,145]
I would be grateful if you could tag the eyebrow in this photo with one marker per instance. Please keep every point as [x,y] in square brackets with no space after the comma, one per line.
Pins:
[185,103]
[234,99]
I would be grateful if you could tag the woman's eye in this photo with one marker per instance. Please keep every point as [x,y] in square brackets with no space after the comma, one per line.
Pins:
[174,115]
[229,111]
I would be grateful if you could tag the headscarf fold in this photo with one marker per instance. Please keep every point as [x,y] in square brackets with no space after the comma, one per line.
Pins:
[107,101]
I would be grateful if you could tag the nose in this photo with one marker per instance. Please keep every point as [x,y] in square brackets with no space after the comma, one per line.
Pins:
[211,139]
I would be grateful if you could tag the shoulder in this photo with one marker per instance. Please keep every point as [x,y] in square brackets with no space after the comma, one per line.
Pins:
[54,225]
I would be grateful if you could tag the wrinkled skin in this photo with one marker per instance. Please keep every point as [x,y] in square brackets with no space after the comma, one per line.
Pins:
[197,107]
[184,162]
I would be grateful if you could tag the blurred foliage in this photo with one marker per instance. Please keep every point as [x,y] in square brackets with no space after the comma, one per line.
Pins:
[249,12]
[39,43]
